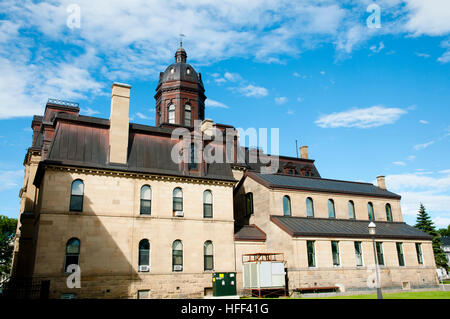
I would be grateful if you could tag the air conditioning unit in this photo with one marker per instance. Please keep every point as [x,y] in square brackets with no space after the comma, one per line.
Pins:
[177,267]
[144,268]
[179,213]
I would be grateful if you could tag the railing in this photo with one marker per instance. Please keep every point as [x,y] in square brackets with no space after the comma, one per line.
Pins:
[26,288]
[63,103]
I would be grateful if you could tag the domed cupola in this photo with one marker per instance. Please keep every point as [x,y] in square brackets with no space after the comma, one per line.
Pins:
[180,97]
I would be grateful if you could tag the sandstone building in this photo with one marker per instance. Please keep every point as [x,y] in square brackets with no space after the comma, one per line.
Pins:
[106,194]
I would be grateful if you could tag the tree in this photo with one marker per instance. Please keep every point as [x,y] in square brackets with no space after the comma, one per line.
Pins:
[444,231]
[425,224]
[7,233]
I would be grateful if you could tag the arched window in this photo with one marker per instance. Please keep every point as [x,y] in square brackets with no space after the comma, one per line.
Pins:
[370,211]
[187,115]
[248,204]
[331,211]
[144,255]
[72,253]
[177,256]
[177,201]
[208,255]
[172,113]
[286,206]
[193,158]
[207,204]
[309,207]
[146,200]
[76,196]
[351,210]
[389,213]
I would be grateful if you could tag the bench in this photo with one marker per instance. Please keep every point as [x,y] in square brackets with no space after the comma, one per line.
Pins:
[317,289]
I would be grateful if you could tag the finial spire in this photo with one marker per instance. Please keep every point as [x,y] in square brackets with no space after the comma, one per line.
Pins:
[180,55]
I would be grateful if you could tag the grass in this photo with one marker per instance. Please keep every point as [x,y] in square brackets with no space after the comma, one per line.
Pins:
[447,282]
[400,295]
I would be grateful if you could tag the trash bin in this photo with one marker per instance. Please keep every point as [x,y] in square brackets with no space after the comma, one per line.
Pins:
[224,284]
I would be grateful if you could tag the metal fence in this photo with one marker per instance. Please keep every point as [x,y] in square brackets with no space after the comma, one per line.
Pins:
[25,288]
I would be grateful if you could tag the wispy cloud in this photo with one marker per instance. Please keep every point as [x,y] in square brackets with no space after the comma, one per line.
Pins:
[11,179]
[424,122]
[374,116]
[399,163]
[377,49]
[419,147]
[281,100]
[253,91]
[431,189]
[213,103]
[89,112]
[143,116]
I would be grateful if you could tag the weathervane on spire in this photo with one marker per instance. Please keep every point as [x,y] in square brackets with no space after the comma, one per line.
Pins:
[181,39]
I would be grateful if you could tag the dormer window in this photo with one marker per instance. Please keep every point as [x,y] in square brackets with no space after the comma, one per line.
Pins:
[172,71]
[188,71]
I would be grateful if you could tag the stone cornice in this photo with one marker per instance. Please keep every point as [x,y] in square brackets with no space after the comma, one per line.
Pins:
[146,176]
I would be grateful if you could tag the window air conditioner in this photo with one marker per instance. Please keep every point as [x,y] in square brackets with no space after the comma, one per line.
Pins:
[144,268]
[179,213]
[178,267]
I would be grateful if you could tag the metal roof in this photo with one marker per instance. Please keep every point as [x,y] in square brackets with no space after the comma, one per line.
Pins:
[321,185]
[326,227]
[249,233]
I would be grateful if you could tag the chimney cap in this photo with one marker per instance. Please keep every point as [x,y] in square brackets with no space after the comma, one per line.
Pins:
[121,84]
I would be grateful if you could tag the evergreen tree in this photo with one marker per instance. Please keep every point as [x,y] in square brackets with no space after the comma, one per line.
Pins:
[425,224]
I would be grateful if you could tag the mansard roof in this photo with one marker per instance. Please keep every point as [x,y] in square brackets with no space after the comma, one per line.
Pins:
[327,227]
[320,185]
[83,141]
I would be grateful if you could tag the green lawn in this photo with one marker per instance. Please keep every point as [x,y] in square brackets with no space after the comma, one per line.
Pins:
[401,295]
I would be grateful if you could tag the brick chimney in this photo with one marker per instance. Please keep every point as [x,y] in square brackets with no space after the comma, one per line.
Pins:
[119,123]
[304,152]
[381,180]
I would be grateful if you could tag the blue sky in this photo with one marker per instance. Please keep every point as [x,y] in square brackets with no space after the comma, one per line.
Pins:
[367,101]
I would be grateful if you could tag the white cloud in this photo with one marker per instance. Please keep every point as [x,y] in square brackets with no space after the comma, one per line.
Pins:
[213,103]
[431,17]
[400,163]
[89,112]
[253,91]
[432,190]
[377,49]
[419,147]
[281,100]
[11,179]
[424,122]
[361,118]
[411,157]
[423,55]
[143,116]
[232,77]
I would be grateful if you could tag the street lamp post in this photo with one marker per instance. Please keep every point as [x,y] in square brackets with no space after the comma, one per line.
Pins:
[372,231]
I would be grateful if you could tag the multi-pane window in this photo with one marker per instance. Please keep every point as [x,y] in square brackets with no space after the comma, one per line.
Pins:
[351,210]
[248,204]
[208,255]
[311,253]
[144,254]
[370,211]
[388,212]
[401,258]
[309,207]
[177,200]
[187,115]
[177,256]
[380,256]
[331,211]
[207,204]
[171,113]
[286,206]
[193,158]
[419,253]
[146,200]
[335,252]
[72,253]
[358,253]
[76,196]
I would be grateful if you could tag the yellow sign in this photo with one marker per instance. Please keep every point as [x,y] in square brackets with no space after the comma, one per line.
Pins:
[221,275]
